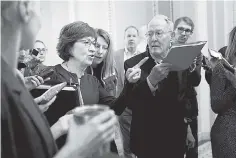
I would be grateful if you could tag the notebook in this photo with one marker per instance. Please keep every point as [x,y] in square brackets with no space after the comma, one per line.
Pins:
[182,56]
[67,99]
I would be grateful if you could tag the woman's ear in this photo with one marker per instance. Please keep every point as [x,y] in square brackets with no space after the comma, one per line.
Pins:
[173,35]
[71,51]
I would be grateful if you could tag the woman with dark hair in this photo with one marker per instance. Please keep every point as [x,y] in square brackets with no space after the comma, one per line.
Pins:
[223,103]
[77,47]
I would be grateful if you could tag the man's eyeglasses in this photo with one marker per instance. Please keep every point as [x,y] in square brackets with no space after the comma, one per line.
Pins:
[187,31]
[158,34]
[88,43]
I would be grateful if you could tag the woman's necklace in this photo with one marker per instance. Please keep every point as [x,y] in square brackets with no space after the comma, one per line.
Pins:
[77,85]
[78,76]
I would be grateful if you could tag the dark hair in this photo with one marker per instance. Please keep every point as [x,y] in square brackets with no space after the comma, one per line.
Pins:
[133,28]
[69,34]
[230,53]
[185,19]
[39,41]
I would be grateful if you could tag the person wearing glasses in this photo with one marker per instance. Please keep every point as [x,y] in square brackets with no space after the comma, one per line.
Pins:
[35,66]
[77,47]
[157,116]
[183,29]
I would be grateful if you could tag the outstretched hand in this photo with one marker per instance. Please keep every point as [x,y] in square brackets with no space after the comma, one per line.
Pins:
[133,74]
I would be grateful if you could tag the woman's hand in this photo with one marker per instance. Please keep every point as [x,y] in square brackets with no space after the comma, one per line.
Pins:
[61,126]
[190,141]
[32,82]
[85,139]
[44,107]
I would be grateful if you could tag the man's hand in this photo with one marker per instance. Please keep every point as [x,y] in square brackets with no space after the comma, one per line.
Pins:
[158,73]
[85,139]
[190,141]
[44,107]
[133,74]
[196,61]
[32,82]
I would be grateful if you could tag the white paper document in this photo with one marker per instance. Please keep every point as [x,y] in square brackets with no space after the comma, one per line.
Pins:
[182,56]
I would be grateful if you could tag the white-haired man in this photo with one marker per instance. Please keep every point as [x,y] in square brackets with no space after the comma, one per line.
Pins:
[157,120]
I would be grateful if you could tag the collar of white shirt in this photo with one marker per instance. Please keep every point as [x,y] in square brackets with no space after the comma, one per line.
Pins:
[128,55]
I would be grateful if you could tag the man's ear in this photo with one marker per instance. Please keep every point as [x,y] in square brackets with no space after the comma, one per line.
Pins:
[24,8]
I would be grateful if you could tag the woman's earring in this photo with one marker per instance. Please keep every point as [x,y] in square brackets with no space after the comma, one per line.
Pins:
[171,41]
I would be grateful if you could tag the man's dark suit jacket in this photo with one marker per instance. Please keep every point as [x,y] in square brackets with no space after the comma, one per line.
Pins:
[191,80]
[157,123]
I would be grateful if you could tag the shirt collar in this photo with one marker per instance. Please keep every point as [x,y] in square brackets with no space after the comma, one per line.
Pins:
[135,53]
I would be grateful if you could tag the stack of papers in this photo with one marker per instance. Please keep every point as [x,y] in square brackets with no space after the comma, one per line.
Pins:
[182,56]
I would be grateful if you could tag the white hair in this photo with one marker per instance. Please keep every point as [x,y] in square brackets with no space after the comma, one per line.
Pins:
[164,18]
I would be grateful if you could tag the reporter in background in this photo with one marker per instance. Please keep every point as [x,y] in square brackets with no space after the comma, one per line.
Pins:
[190,78]
[131,40]
[223,103]
[25,132]
[35,65]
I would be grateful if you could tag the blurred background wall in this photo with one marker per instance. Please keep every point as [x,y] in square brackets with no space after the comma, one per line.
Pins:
[213,22]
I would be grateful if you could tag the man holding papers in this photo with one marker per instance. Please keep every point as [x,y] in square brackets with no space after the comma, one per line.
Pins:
[157,119]
[183,29]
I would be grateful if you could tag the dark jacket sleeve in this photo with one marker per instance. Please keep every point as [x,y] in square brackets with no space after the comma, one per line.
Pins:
[7,135]
[117,104]
[137,90]
[222,94]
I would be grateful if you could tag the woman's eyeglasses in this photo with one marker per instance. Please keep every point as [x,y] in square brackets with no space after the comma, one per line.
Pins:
[88,43]
[187,31]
